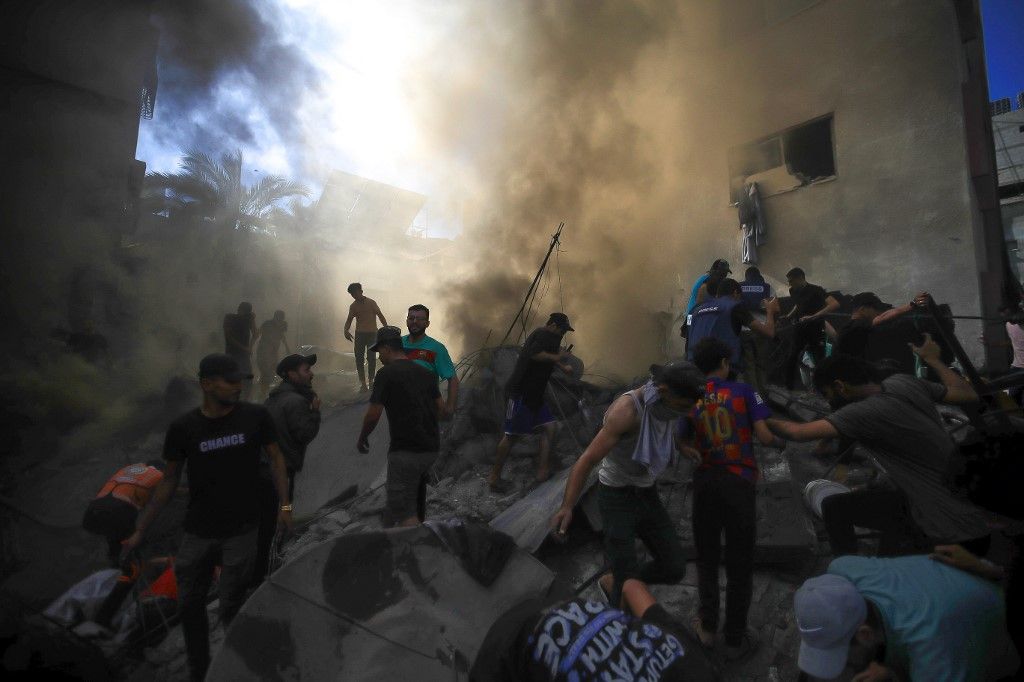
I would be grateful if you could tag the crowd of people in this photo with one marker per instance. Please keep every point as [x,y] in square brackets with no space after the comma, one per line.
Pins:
[926,608]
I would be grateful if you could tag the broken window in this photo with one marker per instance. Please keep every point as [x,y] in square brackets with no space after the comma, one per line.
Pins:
[786,160]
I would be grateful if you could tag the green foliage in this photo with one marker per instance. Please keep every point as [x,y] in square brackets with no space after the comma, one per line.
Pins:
[207,190]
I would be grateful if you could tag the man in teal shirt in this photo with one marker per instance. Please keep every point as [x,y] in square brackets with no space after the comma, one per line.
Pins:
[933,622]
[430,353]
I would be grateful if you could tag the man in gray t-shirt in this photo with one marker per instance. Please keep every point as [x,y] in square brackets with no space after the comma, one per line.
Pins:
[896,418]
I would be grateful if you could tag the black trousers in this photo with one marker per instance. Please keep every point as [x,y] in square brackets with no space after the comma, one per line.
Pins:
[267,528]
[884,510]
[723,501]
[807,336]
[629,513]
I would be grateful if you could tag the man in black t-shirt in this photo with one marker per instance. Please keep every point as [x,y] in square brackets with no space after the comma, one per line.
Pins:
[220,444]
[810,306]
[581,639]
[409,395]
[526,412]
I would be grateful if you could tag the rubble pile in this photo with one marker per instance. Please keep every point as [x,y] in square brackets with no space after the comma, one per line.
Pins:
[468,445]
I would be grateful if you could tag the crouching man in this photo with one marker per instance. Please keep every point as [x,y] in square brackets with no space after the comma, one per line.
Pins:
[633,447]
[908,618]
[582,639]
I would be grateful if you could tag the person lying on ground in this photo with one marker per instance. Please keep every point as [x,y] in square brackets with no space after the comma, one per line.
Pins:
[906,618]
[896,419]
[526,412]
[581,639]
[409,395]
[634,446]
[721,429]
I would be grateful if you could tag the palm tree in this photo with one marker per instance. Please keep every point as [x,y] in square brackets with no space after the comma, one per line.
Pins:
[210,191]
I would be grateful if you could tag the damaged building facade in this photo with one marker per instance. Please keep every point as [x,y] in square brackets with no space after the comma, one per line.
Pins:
[868,135]
[75,79]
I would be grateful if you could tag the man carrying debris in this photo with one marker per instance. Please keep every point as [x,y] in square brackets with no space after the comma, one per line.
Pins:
[633,447]
[722,428]
[582,639]
[364,311]
[896,418]
[908,618]
[220,442]
[295,409]
[526,412]
[430,353]
[724,316]
[113,513]
[810,306]
[409,395]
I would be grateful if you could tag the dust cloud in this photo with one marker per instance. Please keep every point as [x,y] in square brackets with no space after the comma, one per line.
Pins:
[579,112]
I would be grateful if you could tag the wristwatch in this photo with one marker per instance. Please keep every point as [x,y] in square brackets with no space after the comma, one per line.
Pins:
[286,507]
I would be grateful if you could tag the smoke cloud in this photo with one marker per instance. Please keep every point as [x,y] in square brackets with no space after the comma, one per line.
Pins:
[228,77]
[578,112]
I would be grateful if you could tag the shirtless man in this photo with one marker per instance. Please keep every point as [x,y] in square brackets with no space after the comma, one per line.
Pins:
[365,311]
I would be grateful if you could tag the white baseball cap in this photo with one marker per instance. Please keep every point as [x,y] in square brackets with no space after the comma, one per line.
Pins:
[828,609]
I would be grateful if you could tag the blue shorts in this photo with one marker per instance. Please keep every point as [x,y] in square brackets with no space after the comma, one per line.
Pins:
[521,420]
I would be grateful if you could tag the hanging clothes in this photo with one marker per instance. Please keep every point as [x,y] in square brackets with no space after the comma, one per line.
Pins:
[752,222]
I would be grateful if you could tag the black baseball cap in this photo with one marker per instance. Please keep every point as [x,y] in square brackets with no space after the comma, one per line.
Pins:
[561,320]
[720,264]
[294,361]
[682,378]
[221,365]
[388,336]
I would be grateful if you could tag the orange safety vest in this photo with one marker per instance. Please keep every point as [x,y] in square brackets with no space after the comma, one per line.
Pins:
[132,484]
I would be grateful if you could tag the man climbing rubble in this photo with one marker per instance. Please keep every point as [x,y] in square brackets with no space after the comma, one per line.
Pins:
[526,412]
[430,353]
[896,418]
[409,395]
[220,443]
[633,447]
[581,639]
[811,304]
[721,429]
[724,316]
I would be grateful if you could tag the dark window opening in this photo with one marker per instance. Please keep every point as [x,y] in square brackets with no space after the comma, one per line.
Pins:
[805,154]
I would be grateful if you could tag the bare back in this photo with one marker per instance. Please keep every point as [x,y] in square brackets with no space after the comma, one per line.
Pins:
[365,312]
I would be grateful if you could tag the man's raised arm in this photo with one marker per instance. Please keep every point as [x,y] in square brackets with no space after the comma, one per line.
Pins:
[958,390]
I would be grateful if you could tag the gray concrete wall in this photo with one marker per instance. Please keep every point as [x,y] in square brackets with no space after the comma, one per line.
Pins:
[898,217]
